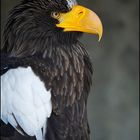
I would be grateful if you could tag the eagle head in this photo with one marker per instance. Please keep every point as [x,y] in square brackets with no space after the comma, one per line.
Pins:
[34,23]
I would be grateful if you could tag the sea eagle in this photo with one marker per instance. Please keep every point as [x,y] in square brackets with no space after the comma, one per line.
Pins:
[45,71]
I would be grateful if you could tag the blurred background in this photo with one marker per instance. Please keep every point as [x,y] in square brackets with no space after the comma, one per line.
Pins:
[113,101]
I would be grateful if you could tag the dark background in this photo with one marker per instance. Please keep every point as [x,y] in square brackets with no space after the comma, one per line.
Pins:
[113,102]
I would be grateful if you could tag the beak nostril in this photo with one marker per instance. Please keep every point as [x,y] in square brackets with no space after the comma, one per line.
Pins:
[80,13]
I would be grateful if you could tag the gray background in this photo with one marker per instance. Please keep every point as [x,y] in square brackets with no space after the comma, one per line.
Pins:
[113,102]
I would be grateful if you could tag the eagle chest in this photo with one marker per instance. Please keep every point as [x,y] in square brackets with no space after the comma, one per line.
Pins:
[66,73]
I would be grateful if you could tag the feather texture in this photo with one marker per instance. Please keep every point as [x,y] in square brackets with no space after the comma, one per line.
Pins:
[31,38]
[25,101]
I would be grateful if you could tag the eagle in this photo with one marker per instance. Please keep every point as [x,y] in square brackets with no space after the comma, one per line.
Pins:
[46,73]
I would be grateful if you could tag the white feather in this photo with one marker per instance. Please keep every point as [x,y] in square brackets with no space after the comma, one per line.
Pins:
[25,101]
[71,3]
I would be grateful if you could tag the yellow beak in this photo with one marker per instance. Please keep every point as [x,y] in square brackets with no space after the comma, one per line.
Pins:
[81,19]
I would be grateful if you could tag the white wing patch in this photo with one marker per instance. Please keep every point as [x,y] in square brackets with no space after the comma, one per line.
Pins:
[25,102]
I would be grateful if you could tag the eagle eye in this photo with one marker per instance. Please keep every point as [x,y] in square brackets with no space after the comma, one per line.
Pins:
[55,15]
